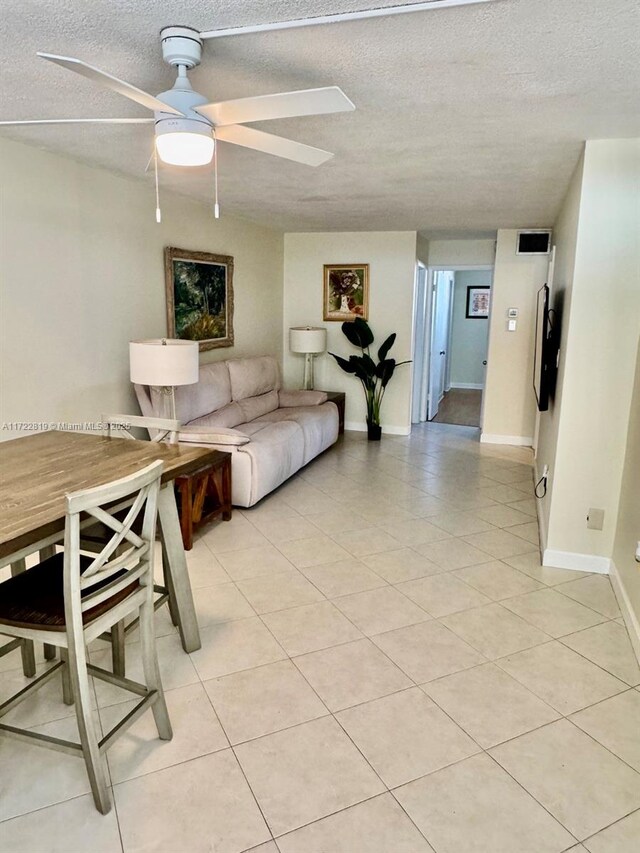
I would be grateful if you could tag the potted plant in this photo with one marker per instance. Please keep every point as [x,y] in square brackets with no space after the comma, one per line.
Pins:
[374,377]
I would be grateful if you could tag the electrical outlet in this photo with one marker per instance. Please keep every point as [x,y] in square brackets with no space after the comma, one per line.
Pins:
[595,519]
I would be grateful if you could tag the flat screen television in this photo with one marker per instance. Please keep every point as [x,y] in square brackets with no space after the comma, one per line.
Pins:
[546,351]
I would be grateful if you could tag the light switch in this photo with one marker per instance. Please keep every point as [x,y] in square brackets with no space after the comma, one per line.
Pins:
[512,325]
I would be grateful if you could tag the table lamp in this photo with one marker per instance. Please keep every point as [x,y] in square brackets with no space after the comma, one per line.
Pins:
[164,363]
[309,340]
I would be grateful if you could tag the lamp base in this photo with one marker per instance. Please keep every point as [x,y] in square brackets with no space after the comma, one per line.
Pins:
[307,384]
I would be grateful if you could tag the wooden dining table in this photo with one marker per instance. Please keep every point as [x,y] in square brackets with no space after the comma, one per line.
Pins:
[39,470]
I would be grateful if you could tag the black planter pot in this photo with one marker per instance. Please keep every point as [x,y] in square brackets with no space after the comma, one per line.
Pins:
[374,431]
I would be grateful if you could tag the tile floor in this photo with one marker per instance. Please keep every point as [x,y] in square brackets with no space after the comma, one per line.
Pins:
[385,668]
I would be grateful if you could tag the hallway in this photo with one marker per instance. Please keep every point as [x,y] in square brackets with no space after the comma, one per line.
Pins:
[461,406]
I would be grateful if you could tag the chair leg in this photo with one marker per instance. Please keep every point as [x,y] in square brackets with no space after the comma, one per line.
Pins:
[67,696]
[77,667]
[117,649]
[49,652]
[27,649]
[152,670]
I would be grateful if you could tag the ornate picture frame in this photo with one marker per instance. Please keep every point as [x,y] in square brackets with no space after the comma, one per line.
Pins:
[478,302]
[345,292]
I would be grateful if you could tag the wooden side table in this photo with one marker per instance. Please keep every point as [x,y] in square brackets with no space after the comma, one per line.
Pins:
[204,494]
[338,397]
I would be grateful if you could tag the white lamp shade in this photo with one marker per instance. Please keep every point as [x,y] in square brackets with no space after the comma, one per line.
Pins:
[163,362]
[307,339]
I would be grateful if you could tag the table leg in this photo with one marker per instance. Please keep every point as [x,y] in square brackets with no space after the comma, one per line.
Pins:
[177,567]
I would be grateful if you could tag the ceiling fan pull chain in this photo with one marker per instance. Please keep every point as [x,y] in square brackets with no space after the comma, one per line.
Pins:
[216,206]
[155,168]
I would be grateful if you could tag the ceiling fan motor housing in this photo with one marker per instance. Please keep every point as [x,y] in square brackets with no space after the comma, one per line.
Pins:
[181,46]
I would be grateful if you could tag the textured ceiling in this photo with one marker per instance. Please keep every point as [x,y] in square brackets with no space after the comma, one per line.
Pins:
[468,119]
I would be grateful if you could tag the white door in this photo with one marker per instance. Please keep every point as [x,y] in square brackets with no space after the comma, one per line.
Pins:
[441,314]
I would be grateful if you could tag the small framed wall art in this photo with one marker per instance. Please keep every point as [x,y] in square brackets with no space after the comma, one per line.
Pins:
[346,292]
[478,301]
[199,297]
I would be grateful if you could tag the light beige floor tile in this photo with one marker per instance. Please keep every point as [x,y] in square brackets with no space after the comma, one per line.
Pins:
[196,731]
[527,506]
[607,645]
[339,520]
[233,535]
[43,706]
[286,528]
[254,562]
[378,825]
[306,773]
[427,650]
[269,593]
[509,475]
[204,568]
[266,699]
[221,603]
[552,612]
[34,777]
[363,543]
[496,580]
[502,515]
[309,628]
[561,678]
[271,506]
[499,543]
[380,610]
[530,564]
[475,807]
[234,646]
[70,827]
[269,847]
[343,577]
[501,493]
[405,736]
[382,512]
[594,592]
[442,594]
[351,673]
[494,631]
[581,783]
[489,705]
[418,531]
[453,554]
[202,805]
[461,523]
[615,723]
[427,506]
[313,551]
[402,565]
[527,531]
[620,837]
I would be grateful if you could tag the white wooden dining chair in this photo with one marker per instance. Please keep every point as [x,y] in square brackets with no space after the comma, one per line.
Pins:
[70,599]
[159,429]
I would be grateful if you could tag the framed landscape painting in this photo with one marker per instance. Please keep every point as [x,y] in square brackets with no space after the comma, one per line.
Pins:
[478,300]
[346,292]
[199,297]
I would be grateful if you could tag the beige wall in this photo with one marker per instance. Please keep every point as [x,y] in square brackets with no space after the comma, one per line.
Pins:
[565,235]
[461,253]
[82,274]
[509,401]
[601,340]
[392,260]
[468,336]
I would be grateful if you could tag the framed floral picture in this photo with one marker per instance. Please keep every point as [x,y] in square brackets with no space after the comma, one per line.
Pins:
[199,297]
[478,300]
[346,292]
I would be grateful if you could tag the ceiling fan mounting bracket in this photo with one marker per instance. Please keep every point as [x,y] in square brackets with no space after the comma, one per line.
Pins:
[181,46]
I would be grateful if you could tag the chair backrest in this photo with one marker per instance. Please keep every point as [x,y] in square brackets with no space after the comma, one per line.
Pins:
[159,429]
[137,494]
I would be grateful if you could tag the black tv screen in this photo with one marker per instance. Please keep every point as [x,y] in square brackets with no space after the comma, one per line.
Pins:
[544,359]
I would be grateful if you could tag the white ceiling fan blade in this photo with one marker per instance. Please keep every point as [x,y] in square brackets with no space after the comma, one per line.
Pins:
[82,121]
[379,12]
[248,137]
[110,82]
[307,102]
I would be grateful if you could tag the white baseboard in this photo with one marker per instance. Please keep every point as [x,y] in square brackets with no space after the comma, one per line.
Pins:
[628,614]
[359,426]
[576,562]
[519,440]
[471,385]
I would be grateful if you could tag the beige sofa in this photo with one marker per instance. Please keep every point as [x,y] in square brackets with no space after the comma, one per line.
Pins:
[238,406]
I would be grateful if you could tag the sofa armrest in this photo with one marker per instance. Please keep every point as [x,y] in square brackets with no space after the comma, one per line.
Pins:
[291,399]
[212,435]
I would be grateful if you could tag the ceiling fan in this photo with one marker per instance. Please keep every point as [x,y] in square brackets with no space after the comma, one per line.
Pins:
[188,126]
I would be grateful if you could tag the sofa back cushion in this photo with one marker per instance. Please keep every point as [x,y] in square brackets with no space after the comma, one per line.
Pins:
[252,377]
[210,393]
[254,407]
[228,416]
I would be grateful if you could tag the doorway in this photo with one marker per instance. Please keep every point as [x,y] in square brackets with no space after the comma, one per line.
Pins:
[451,342]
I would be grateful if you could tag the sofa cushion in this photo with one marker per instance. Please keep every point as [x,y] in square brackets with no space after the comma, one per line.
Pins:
[211,392]
[290,399]
[212,435]
[251,377]
[255,407]
[276,452]
[319,425]
[228,416]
